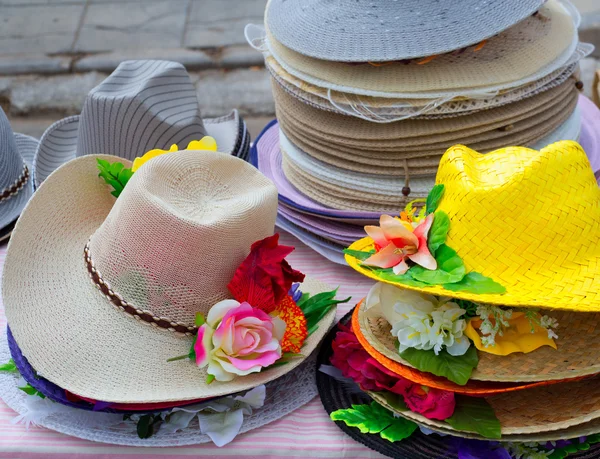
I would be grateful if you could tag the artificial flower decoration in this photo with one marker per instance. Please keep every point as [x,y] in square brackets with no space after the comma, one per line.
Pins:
[396,241]
[518,333]
[296,330]
[264,278]
[206,143]
[238,339]
[420,321]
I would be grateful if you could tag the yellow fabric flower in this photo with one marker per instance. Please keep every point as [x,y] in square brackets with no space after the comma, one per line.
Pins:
[206,143]
[517,337]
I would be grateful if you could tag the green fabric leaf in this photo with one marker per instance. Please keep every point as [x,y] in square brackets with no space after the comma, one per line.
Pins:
[125,175]
[192,353]
[450,268]
[438,231]
[474,414]
[200,320]
[148,425]
[317,306]
[9,367]
[388,274]
[433,198]
[359,254]
[457,368]
[210,379]
[375,419]
[29,390]
[475,282]
[395,401]
[115,174]
[115,168]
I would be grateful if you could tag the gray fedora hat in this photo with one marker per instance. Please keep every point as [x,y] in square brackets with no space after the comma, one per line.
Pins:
[389,30]
[142,105]
[16,170]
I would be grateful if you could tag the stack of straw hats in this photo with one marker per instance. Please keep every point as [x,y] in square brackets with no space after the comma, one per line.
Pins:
[421,346]
[369,95]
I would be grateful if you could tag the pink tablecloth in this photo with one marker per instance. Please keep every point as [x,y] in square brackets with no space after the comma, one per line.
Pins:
[307,432]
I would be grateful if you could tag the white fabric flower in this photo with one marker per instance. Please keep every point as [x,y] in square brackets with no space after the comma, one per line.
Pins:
[419,320]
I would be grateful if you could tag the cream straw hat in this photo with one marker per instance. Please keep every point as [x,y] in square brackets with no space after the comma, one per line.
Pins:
[168,245]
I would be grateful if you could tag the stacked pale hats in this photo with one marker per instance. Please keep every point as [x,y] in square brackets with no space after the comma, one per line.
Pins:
[369,95]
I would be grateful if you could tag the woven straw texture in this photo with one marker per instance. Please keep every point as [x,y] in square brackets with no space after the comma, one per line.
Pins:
[352,31]
[283,396]
[576,356]
[513,55]
[384,110]
[47,290]
[528,219]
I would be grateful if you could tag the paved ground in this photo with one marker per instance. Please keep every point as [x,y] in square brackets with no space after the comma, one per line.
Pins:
[52,52]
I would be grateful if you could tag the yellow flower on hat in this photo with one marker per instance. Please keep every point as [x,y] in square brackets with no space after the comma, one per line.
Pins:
[516,337]
[206,143]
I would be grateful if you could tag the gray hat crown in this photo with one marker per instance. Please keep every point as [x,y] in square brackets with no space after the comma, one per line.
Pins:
[141,106]
[11,162]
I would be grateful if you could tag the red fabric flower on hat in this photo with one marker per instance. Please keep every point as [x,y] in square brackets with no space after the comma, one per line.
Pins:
[354,362]
[264,278]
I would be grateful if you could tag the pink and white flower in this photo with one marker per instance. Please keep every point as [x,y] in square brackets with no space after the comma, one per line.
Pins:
[237,340]
[396,241]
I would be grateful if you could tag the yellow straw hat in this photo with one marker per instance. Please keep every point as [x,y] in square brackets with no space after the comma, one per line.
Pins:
[529,220]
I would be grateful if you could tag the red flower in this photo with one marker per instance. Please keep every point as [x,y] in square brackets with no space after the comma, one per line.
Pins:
[355,363]
[264,277]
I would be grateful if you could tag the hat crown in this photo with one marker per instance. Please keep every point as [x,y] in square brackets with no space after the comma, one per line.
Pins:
[517,211]
[181,227]
[142,105]
[11,162]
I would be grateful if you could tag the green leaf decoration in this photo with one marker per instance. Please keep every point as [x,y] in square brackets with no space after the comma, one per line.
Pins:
[316,307]
[433,198]
[388,274]
[115,174]
[29,390]
[200,320]
[394,400]
[192,353]
[474,414]
[450,268]
[148,425]
[438,231]
[576,445]
[359,254]
[210,379]
[475,282]
[375,419]
[9,367]
[457,368]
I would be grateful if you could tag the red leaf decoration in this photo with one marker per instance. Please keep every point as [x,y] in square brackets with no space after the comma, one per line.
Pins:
[264,278]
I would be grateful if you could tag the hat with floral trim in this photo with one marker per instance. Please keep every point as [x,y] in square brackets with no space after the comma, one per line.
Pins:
[177,290]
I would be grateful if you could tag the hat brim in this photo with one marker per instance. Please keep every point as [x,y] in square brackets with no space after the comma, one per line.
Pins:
[69,331]
[58,144]
[336,395]
[11,208]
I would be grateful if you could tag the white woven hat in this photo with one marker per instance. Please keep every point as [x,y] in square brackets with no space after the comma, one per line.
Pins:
[141,106]
[388,30]
[168,246]
[16,169]
[527,52]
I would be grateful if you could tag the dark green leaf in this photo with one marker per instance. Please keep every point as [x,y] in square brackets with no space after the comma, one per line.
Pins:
[433,198]
[303,299]
[359,254]
[457,369]
[144,429]
[395,401]
[375,419]
[474,414]
[9,367]
[126,416]
[192,353]
[317,306]
[438,231]
[450,268]
[475,282]
[388,274]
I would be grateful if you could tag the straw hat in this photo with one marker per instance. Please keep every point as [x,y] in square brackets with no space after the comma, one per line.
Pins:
[16,170]
[528,219]
[530,50]
[338,31]
[168,247]
[141,106]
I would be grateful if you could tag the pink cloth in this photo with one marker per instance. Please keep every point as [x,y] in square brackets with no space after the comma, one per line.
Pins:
[307,432]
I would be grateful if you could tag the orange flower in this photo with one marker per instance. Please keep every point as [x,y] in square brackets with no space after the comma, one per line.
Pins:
[295,331]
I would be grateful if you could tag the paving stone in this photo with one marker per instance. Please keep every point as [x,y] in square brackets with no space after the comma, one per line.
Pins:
[107,62]
[39,64]
[132,25]
[38,29]
[216,23]
[62,94]
[247,90]
[240,56]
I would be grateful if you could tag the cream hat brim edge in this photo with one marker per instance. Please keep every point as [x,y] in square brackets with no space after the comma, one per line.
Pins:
[69,331]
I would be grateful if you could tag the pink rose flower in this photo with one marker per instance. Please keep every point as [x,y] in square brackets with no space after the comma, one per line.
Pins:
[354,362]
[237,340]
[431,403]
